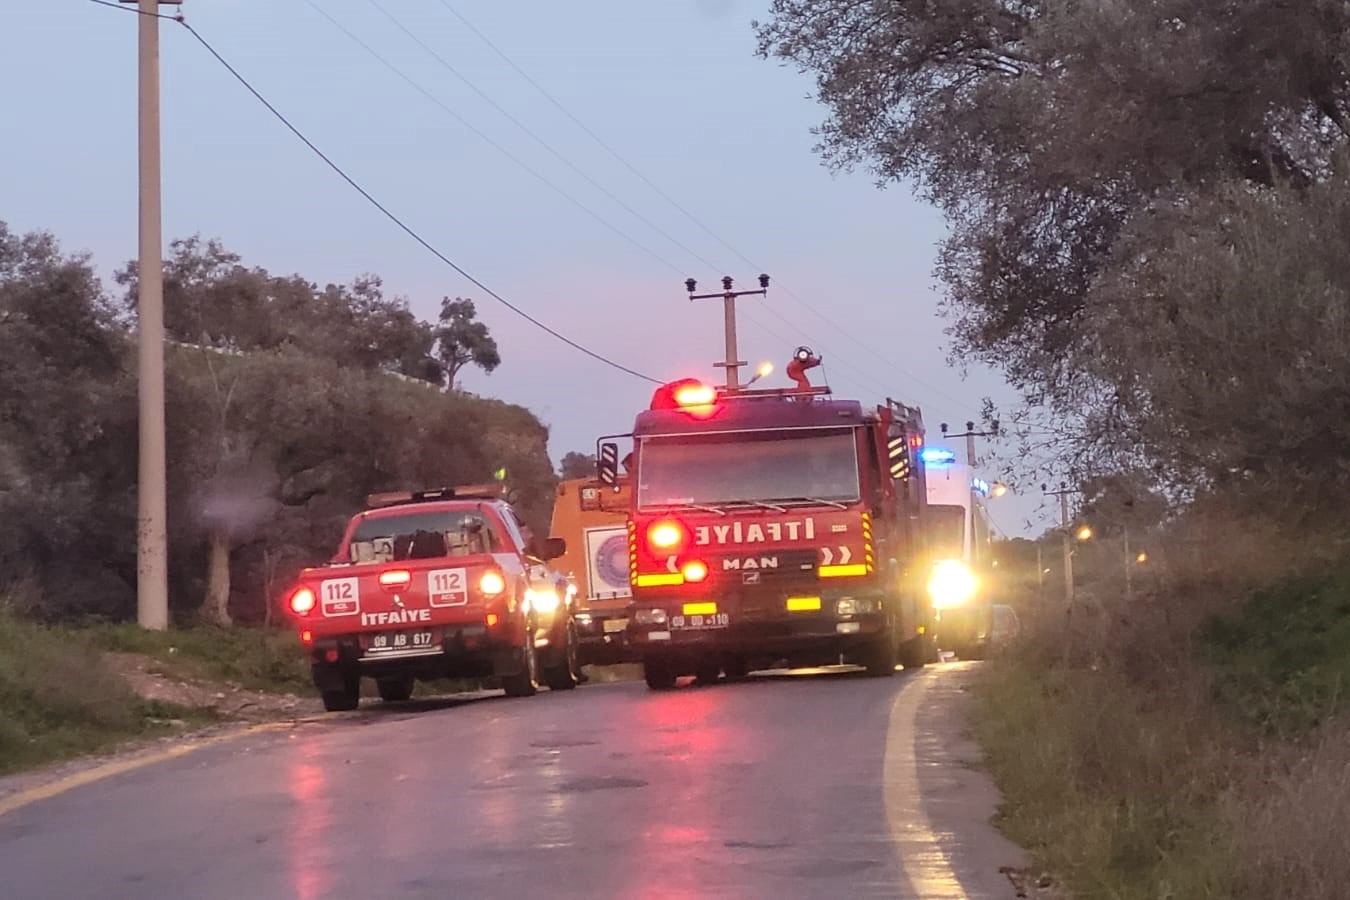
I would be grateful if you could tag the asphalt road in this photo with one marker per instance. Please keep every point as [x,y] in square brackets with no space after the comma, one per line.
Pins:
[824,785]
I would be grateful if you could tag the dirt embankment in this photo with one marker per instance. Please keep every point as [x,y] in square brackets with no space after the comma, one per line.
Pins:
[155,681]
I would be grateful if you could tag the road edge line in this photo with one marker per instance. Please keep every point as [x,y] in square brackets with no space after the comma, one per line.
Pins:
[923,861]
[28,797]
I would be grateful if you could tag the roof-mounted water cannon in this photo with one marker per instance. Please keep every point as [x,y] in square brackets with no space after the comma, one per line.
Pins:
[803,358]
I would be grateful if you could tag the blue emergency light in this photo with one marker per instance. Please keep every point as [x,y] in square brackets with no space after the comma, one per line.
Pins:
[937,457]
[981,487]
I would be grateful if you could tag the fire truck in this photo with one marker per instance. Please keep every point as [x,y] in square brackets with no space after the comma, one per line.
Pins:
[444,583]
[591,517]
[961,554]
[773,527]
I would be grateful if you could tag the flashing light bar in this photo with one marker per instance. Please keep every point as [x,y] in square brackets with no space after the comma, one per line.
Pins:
[981,487]
[937,456]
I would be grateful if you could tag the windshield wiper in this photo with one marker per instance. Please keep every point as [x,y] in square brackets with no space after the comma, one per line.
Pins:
[700,507]
[835,503]
[764,503]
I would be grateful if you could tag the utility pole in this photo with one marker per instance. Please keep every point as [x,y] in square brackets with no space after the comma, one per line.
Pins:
[970,436]
[152,578]
[732,363]
[1063,494]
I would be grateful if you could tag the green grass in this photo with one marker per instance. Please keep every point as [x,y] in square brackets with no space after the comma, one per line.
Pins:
[258,659]
[58,700]
[1117,793]
[1281,659]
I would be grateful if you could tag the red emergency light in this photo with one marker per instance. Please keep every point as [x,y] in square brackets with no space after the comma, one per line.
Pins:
[688,394]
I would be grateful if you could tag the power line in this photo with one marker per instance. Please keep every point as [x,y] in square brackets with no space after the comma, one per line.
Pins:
[868,381]
[890,363]
[383,60]
[525,128]
[381,207]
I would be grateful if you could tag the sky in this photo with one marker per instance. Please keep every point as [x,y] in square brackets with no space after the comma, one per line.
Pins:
[704,167]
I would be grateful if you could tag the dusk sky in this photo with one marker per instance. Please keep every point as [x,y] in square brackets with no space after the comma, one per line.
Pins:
[672,86]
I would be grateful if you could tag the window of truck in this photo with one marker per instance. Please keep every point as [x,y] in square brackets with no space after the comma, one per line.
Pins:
[422,535]
[947,531]
[748,466]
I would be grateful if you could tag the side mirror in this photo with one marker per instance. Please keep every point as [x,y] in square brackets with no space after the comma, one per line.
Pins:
[551,548]
[607,463]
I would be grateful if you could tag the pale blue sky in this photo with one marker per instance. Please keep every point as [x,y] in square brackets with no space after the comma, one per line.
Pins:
[672,85]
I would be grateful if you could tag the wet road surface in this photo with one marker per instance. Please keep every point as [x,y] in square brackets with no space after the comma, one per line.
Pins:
[822,785]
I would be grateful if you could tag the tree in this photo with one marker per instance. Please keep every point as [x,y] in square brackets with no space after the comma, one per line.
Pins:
[1047,132]
[461,340]
[578,465]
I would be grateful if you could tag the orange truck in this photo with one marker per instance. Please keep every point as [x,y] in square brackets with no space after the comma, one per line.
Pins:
[592,519]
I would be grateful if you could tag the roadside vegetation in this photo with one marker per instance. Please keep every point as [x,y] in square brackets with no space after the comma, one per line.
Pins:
[1147,208]
[58,699]
[265,376]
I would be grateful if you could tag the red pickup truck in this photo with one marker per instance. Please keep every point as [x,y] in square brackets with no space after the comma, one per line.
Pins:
[436,584]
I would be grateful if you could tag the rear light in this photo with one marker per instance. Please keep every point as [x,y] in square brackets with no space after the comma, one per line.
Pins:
[695,571]
[302,601]
[667,535]
[395,577]
[306,637]
[492,584]
[492,619]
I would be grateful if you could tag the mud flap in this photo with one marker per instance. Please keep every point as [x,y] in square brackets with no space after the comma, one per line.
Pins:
[329,677]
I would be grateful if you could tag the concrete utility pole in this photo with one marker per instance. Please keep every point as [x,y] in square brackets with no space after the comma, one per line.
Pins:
[152,579]
[733,362]
[1063,494]
[970,436]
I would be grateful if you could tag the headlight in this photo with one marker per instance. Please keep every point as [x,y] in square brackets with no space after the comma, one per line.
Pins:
[856,606]
[543,599]
[951,584]
[650,617]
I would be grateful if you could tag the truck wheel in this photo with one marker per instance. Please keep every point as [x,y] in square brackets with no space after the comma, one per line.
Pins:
[919,652]
[395,689]
[735,669]
[880,658]
[339,688]
[566,674]
[525,682]
[707,673]
[659,675]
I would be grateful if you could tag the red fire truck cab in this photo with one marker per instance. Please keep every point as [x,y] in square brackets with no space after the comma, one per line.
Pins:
[770,527]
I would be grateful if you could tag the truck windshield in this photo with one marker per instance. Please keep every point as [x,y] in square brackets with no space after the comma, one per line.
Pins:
[421,535]
[765,466]
[947,532]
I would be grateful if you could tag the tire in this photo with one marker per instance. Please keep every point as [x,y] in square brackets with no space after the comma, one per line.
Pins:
[735,669]
[396,689]
[659,675]
[707,673]
[567,673]
[338,699]
[525,682]
[879,658]
[919,652]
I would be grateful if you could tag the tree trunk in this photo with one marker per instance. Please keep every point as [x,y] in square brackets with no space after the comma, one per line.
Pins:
[217,607]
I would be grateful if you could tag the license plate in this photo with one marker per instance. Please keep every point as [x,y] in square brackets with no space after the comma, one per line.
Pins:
[613,625]
[396,641]
[688,623]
